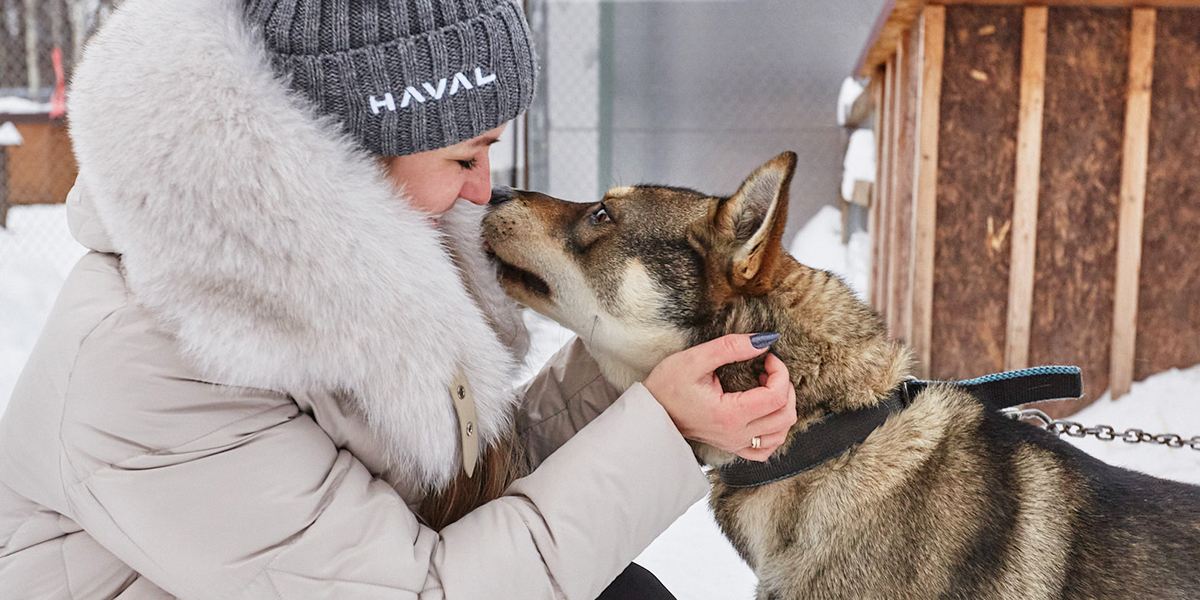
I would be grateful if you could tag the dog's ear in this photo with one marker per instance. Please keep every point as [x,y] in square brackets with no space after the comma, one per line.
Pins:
[753,220]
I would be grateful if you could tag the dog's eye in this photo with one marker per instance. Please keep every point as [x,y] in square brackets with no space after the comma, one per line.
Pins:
[600,216]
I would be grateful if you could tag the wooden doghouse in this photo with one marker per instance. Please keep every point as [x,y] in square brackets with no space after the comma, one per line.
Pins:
[42,169]
[1038,190]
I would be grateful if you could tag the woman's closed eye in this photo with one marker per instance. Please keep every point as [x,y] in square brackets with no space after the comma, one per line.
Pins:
[468,165]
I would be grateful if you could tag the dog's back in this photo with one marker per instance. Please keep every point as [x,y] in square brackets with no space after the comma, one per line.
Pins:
[948,501]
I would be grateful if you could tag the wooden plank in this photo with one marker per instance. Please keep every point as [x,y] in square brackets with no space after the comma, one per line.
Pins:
[933,35]
[885,184]
[908,93]
[42,169]
[1087,65]
[895,17]
[1134,160]
[1025,188]
[1168,313]
[981,97]
[909,153]
[873,214]
[899,15]
[893,211]
[888,207]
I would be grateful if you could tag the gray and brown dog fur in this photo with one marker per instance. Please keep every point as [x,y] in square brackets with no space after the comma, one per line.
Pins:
[945,500]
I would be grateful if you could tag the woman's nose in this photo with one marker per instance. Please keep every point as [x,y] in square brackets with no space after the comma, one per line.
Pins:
[478,187]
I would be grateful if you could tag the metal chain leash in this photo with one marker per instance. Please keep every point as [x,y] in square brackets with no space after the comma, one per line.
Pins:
[1101,432]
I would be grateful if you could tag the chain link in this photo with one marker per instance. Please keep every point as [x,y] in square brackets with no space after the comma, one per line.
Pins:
[1101,432]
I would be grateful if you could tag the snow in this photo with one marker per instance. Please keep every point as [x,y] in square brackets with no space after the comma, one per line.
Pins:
[692,558]
[818,245]
[13,105]
[859,164]
[36,254]
[850,91]
[10,136]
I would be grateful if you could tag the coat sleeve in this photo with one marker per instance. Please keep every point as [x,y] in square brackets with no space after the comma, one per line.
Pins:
[260,503]
[567,394]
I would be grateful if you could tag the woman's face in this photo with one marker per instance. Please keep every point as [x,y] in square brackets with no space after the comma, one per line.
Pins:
[434,180]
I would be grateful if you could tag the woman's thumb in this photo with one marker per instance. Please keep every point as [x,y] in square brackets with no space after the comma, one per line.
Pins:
[731,348]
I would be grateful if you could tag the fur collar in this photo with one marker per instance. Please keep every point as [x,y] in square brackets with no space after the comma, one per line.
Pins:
[272,247]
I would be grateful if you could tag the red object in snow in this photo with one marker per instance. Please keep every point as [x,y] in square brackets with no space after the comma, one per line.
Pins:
[58,101]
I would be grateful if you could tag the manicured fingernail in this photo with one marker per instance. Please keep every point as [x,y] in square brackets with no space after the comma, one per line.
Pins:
[762,340]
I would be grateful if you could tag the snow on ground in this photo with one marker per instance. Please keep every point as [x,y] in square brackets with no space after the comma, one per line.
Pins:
[36,253]
[692,558]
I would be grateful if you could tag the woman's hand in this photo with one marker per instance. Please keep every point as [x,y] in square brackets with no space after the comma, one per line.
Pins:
[686,385]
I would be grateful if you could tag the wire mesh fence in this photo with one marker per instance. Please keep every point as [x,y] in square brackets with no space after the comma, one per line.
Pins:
[691,93]
[40,43]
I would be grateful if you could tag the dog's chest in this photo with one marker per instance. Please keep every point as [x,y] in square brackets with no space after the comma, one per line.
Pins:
[764,523]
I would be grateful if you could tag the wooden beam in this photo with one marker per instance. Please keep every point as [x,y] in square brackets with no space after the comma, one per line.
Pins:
[888,204]
[895,17]
[933,37]
[1025,189]
[894,212]
[873,216]
[1133,199]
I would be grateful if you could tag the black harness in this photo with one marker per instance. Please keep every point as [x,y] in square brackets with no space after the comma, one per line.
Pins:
[838,432]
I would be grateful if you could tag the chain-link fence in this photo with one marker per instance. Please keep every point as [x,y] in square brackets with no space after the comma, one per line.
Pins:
[694,93]
[40,43]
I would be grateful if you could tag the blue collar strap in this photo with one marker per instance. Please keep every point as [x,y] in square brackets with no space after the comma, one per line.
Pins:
[838,432]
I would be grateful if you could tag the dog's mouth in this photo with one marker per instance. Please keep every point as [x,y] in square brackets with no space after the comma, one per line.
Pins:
[514,275]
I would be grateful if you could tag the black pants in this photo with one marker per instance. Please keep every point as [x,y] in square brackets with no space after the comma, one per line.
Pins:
[636,583]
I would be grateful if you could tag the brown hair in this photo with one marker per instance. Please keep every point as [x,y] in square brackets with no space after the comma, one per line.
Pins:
[499,465]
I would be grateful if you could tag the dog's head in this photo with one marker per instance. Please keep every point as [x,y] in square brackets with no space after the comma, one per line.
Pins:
[643,272]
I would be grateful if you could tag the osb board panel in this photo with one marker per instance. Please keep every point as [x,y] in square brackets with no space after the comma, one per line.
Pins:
[1087,62]
[898,15]
[42,169]
[906,157]
[976,162]
[1168,324]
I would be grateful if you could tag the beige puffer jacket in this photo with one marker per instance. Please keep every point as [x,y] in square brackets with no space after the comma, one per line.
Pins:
[246,386]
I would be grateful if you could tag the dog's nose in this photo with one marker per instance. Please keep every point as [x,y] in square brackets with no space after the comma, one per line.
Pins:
[500,195]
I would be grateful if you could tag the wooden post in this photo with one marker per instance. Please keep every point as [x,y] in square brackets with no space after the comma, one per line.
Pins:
[1133,199]
[31,49]
[873,218]
[897,108]
[888,195]
[933,35]
[1025,189]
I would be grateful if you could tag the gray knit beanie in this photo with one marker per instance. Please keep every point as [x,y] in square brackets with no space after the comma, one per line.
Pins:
[403,76]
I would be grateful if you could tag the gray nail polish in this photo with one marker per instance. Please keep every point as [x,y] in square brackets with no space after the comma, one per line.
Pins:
[762,340]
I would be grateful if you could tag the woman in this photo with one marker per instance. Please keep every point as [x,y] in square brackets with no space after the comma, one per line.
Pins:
[274,353]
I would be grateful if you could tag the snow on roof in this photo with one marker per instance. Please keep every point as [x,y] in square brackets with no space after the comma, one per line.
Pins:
[12,105]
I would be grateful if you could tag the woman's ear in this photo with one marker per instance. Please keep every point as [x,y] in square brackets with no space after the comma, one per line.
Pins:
[753,219]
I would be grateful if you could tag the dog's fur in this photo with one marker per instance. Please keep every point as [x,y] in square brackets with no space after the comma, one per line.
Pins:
[945,500]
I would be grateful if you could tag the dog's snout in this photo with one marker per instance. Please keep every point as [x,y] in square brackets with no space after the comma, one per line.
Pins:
[500,195]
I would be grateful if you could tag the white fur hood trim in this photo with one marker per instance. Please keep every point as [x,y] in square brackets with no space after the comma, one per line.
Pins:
[271,246]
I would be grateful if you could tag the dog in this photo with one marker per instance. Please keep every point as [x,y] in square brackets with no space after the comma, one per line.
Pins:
[945,499]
